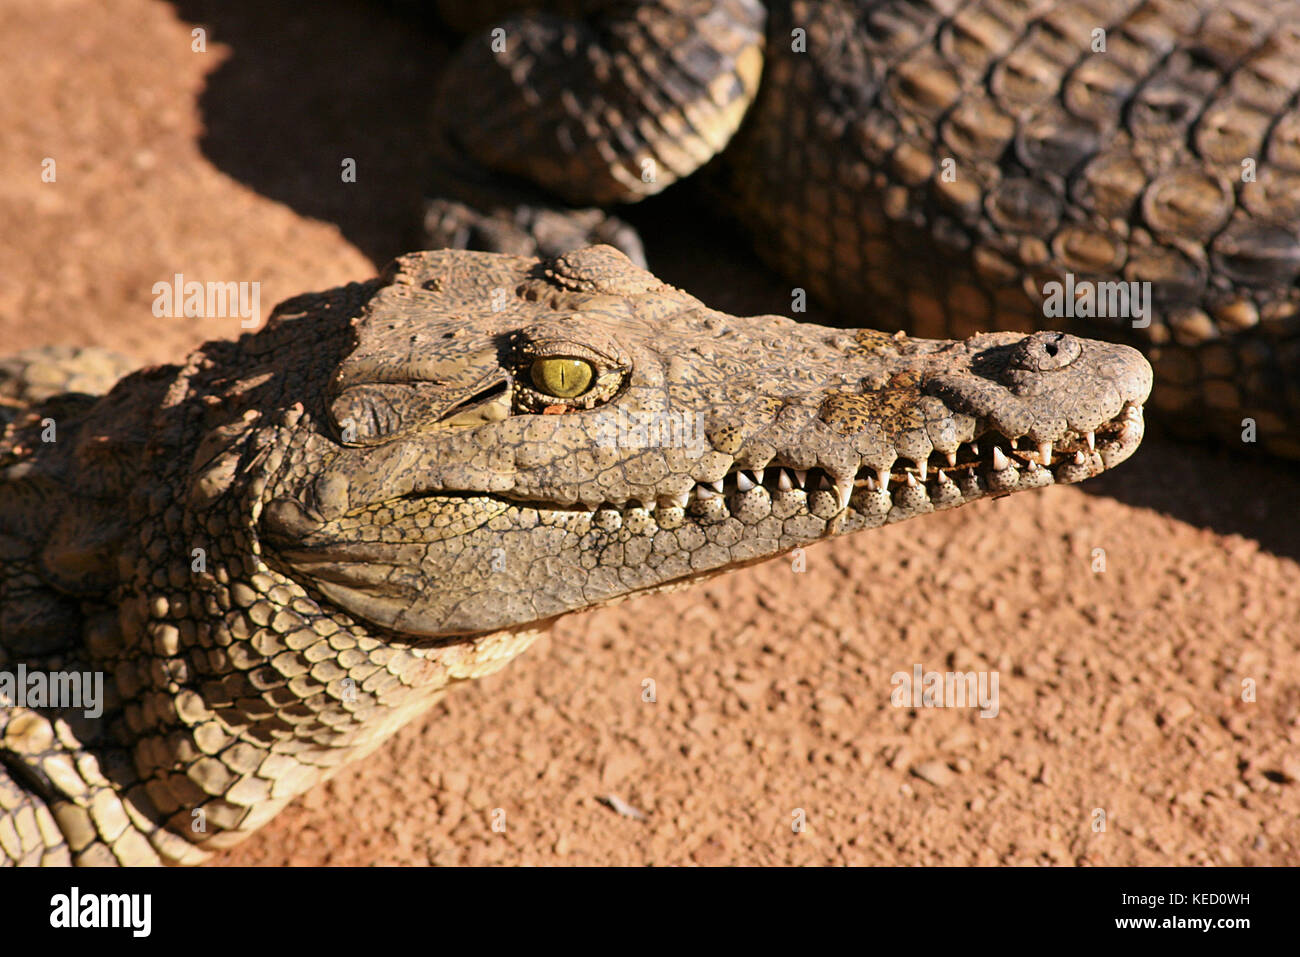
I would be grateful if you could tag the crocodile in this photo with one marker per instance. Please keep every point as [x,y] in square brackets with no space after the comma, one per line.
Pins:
[277,552]
[1122,169]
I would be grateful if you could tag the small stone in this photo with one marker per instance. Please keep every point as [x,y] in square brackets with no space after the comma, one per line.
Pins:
[621,807]
[1177,709]
[901,759]
[617,768]
[751,693]
[830,703]
[935,772]
[455,782]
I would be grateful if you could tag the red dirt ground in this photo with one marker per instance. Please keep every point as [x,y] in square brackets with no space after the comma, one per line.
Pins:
[1121,691]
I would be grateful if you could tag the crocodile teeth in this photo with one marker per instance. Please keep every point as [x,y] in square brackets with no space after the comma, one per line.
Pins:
[1078,458]
[783,480]
[743,482]
[975,448]
[911,480]
[999,459]
[952,459]
[882,477]
[706,493]
[843,490]
[680,500]
[716,486]
[1091,438]
[1132,420]
[1045,452]
[758,476]
[923,469]
[800,476]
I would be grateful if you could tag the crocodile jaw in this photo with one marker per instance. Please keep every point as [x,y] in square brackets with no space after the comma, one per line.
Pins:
[748,521]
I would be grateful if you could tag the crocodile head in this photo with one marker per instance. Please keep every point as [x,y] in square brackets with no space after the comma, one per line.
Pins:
[509,440]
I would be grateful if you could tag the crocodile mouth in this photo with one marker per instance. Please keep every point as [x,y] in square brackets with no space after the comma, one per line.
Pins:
[987,465]
[990,464]
[372,560]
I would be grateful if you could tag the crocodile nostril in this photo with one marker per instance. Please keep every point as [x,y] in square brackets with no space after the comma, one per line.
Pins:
[1045,352]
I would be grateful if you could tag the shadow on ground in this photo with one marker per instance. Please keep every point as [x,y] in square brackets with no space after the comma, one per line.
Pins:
[1229,493]
[306,86]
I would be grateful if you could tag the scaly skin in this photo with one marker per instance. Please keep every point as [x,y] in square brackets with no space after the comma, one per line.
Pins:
[940,160]
[285,548]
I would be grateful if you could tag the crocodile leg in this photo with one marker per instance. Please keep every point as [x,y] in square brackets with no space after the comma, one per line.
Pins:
[542,118]
[29,834]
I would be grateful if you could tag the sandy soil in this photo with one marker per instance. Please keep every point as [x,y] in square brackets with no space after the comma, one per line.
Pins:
[1121,691]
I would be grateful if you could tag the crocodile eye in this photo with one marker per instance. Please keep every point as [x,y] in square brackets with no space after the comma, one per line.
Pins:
[562,377]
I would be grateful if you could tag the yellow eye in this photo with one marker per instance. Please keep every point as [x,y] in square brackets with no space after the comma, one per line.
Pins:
[562,378]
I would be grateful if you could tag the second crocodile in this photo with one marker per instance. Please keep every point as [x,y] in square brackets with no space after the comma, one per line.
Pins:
[1125,169]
